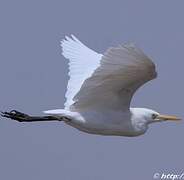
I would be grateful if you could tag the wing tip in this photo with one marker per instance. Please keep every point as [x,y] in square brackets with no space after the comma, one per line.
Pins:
[69,39]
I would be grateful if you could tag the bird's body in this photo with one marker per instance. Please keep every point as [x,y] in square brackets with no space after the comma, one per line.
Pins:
[100,89]
[100,122]
[119,123]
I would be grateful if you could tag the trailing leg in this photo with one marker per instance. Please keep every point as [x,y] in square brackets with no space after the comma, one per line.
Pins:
[21,117]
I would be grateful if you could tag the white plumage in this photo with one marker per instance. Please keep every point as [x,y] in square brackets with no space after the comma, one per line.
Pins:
[82,63]
[100,89]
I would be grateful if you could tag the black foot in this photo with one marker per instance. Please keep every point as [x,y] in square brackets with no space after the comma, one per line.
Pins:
[16,115]
[21,117]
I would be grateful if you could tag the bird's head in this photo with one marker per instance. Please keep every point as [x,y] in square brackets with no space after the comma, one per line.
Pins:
[153,116]
[142,117]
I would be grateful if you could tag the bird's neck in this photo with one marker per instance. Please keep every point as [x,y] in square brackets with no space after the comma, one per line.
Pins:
[138,121]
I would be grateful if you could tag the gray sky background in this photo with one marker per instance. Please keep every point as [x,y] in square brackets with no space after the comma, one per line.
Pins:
[33,77]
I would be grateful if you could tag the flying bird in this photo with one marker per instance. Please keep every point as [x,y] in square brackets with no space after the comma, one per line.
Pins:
[100,89]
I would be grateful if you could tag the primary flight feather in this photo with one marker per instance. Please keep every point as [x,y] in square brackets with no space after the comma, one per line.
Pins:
[100,89]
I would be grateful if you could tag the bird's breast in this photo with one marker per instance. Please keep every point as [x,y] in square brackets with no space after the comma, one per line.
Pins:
[104,123]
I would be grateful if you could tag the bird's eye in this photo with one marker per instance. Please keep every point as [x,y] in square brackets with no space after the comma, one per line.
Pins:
[154,116]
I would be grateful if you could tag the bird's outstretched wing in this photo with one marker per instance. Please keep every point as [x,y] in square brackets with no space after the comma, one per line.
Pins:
[82,63]
[111,85]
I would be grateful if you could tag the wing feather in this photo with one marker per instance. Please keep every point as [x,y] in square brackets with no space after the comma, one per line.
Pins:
[82,63]
[121,72]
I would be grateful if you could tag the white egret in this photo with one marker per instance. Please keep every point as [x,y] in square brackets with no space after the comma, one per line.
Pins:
[100,90]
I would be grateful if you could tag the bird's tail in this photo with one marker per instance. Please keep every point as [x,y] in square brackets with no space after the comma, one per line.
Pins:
[56,112]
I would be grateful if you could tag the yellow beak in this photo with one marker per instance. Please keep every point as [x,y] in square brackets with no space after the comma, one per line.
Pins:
[168,118]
